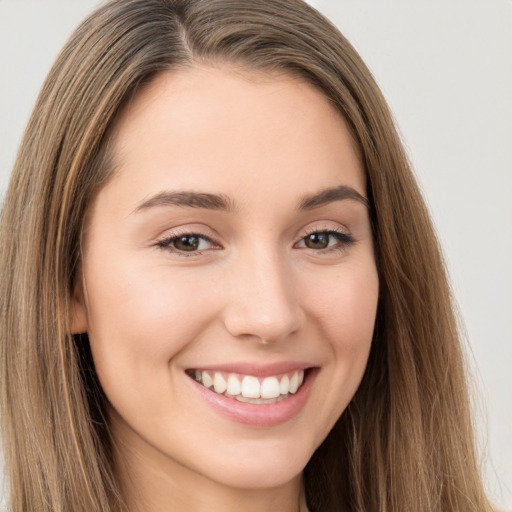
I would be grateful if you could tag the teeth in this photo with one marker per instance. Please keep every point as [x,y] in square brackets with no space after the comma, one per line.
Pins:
[270,388]
[284,387]
[294,383]
[219,384]
[250,387]
[265,401]
[206,380]
[234,386]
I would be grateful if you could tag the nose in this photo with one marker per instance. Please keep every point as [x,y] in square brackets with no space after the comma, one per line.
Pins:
[263,303]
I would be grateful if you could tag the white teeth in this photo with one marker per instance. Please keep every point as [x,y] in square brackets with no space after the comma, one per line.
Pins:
[294,383]
[219,384]
[284,386]
[270,388]
[234,386]
[250,387]
[264,401]
[206,380]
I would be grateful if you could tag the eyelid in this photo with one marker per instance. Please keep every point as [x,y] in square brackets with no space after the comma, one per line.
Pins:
[165,241]
[197,229]
[344,236]
[323,227]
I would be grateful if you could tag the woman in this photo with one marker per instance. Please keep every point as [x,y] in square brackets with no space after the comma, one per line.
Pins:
[221,285]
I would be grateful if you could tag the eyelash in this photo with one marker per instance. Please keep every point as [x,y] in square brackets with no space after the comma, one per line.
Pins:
[167,242]
[344,240]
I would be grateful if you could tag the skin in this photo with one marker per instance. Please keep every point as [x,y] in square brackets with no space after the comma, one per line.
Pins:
[254,292]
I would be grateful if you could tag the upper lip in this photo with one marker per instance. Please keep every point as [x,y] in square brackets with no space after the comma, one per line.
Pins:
[256,370]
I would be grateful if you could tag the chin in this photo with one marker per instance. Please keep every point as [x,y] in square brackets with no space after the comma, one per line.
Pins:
[258,466]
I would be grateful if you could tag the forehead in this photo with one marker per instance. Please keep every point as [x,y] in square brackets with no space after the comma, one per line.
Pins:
[205,125]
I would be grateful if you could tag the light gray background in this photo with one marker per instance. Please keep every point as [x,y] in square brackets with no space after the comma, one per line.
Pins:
[446,70]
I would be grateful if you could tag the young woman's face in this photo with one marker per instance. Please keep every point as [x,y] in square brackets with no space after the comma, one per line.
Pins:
[229,258]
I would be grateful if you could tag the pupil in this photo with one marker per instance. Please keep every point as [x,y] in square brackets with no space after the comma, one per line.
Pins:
[317,241]
[187,243]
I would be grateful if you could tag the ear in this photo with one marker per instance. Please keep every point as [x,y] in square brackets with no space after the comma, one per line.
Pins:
[78,309]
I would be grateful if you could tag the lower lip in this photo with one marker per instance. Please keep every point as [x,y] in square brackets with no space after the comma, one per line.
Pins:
[259,415]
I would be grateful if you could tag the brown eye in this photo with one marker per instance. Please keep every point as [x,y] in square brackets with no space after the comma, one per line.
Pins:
[317,240]
[186,243]
[326,240]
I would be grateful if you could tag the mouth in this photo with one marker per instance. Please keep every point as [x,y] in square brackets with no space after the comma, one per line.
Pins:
[256,396]
[249,388]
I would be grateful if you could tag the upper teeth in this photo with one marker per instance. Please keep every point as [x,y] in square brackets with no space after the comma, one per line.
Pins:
[249,386]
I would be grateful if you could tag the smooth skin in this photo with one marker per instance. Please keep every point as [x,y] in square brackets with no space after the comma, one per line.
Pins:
[166,288]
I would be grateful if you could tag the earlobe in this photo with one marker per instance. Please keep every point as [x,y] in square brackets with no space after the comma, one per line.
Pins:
[78,310]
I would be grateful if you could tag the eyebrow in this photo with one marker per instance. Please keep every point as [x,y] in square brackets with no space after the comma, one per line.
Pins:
[189,199]
[221,202]
[330,195]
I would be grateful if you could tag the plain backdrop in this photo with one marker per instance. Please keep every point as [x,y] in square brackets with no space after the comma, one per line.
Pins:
[446,69]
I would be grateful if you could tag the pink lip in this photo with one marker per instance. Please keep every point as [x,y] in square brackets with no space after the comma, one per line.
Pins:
[258,415]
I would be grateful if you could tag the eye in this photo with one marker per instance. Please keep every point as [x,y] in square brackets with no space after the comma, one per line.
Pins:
[186,243]
[325,240]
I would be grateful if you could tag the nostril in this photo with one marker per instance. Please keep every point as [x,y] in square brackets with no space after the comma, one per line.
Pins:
[266,329]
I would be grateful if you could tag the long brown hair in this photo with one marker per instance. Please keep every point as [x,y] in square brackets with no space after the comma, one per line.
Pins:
[405,442]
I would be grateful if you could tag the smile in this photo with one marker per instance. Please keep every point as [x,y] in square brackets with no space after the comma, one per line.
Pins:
[248,388]
[260,397]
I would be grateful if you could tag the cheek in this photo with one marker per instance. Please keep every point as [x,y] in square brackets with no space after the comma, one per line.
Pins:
[140,319]
[345,306]
[344,310]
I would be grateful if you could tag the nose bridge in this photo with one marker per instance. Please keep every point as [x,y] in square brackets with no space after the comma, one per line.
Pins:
[262,299]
